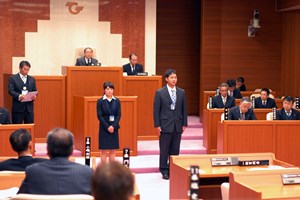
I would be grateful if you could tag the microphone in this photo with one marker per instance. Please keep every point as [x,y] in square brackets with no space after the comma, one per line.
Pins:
[226,111]
[274,113]
[210,102]
[253,101]
[87,151]
[194,183]
[126,157]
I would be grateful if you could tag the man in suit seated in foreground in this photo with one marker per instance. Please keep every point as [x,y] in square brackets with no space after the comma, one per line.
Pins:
[243,111]
[4,116]
[87,59]
[264,101]
[113,181]
[223,100]
[232,91]
[287,112]
[58,175]
[132,68]
[21,143]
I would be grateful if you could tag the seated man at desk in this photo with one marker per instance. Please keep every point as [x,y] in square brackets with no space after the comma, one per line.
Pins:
[223,100]
[264,101]
[232,91]
[287,112]
[4,116]
[21,143]
[240,83]
[243,111]
[87,59]
[132,68]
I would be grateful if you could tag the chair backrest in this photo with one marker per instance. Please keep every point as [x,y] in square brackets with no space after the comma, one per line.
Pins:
[79,52]
[254,95]
[51,197]
[271,96]
[259,89]
[269,116]
[222,117]
[207,105]
[225,191]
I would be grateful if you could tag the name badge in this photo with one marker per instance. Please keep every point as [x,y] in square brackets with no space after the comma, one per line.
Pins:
[172,107]
[24,91]
[111,118]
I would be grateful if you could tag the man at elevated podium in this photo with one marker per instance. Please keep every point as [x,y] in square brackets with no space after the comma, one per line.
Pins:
[87,59]
[132,68]
[170,119]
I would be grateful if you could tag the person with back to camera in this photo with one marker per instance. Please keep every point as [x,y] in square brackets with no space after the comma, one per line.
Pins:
[109,115]
[287,112]
[132,68]
[113,181]
[87,59]
[21,143]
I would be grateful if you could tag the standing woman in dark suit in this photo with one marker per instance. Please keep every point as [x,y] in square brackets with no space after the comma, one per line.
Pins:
[109,114]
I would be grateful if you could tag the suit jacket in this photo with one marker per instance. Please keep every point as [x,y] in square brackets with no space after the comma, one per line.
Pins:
[281,115]
[4,116]
[15,87]
[137,69]
[217,102]
[81,62]
[103,113]
[57,176]
[165,118]
[234,114]
[243,87]
[269,104]
[20,163]
[237,94]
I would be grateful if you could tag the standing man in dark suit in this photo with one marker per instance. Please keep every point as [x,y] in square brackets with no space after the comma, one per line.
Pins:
[87,59]
[4,116]
[18,86]
[232,91]
[58,175]
[132,68]
[21,143]
[287,112]
[264,101]
[170,119]
[243,111]
[223,100]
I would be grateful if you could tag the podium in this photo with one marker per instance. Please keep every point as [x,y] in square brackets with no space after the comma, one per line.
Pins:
[5,132]
[86,124]
[88,81]
[144,87]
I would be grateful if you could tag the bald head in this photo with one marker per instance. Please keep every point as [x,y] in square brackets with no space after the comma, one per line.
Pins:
[60,143]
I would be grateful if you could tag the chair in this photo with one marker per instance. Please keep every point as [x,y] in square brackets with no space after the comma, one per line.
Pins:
[79,53]
[259,89]
[225,191]
[207,105]
[271,96]
[222,117]
[269,116]
[254,95]
[50,197]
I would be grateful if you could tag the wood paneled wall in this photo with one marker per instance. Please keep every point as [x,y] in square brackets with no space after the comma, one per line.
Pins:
[290,72]
[227,52]
[178,45]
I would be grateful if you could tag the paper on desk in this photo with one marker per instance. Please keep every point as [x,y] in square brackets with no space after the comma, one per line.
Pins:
[28,96]
[271,167]
[4,194]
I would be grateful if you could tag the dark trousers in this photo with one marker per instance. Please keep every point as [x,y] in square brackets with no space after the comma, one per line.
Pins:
[169,144]
[20,117]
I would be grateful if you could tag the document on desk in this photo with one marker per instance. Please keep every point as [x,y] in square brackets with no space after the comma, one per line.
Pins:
[7,193]
[28,96]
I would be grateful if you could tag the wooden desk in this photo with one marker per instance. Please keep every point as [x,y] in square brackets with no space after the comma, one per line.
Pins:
[206,94]
[245,185]
[279,137]
[11,179]
[88,81]
[5,132]
[85,123]
[49,107]
[144,87]
[211,117]
[210,177]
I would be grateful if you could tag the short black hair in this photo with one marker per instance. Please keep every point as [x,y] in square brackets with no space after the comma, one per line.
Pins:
[24,63]
[108,84]
[112,181]
[59,143]
[231,83]
[169,72]
[87,49]
[19,140]
[266,90]
[240,79]
[132,54]
[288,99]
